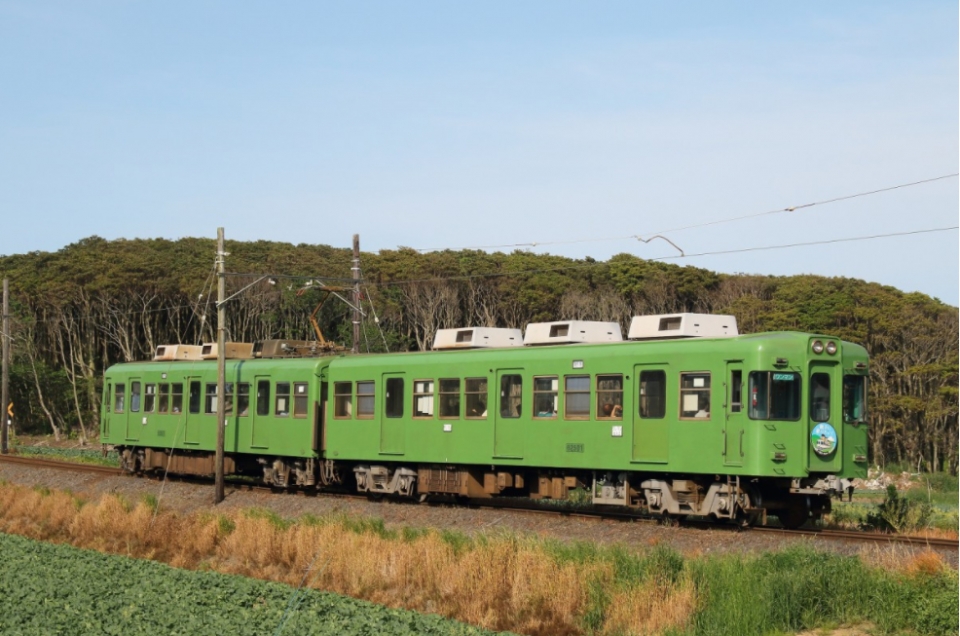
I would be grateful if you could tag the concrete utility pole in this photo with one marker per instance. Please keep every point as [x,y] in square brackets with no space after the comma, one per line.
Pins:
[221,363]
[356,293]
[5,392]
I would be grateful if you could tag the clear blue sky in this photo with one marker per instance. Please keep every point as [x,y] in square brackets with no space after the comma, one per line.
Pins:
[445,124]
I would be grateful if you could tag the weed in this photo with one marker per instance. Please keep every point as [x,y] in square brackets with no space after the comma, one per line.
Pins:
[899,514]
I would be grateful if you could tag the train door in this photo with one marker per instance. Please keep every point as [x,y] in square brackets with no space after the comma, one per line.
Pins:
[651,436]
[392,415]
[507,433]
[133,411]
[192,414]
[734,424]
[260,420]
[824,417]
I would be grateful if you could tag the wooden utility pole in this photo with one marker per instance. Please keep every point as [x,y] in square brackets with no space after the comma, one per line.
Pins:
[5,392]
[356,293]
[221,363]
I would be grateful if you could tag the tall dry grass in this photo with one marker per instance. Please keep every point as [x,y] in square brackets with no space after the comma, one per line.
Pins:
[500,582]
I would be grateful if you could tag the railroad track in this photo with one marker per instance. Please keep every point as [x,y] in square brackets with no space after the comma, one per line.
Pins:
[514,506]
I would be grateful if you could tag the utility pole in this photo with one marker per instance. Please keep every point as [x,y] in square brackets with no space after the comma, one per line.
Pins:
[5,393]
[221,363]
[356,293]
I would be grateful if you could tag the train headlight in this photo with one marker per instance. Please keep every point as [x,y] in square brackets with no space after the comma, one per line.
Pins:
[831,348]
[817,346]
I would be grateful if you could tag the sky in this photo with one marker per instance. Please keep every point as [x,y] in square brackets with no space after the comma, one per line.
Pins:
[558,127]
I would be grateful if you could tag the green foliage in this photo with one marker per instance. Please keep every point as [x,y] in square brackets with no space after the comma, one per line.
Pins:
[900,514]
[58,589]
[77,455]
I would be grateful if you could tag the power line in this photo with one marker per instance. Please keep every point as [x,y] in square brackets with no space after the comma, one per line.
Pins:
[665,258]
[648,235]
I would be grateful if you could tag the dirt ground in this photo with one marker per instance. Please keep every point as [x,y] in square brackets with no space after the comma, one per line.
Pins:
[185,497]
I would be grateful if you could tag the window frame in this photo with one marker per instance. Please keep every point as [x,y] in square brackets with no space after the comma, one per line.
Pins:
[390,400]
[798,377]
[120,397]
[338,395]
[301,398]
[863,383]
[697,390]
[441,393]
[136,388]
[243,399]
[263,399]
[813,388]
[163,398]
[478,394]
[362,398]
[554,391]
[176,397]
[506,402]
[644,399]
[568,392]
[600,377]
[149,397]
[418,395]
[278,395]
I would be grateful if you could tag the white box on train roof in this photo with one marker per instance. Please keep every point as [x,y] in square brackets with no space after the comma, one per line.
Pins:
[665,326]
[177,352]
[571,332]
[477,338]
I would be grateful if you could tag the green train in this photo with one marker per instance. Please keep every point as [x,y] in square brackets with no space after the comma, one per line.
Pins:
[686,417]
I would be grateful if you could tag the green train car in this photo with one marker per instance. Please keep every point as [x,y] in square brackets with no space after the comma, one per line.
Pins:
[728,426]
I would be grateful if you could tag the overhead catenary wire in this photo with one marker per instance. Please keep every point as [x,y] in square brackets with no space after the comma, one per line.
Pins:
[646,236]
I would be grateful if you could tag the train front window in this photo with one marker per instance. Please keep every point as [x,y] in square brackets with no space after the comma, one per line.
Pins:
[774,396]
[854,398]
[820,397]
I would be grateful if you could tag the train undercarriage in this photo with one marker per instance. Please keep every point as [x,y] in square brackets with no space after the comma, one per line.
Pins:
[737,499]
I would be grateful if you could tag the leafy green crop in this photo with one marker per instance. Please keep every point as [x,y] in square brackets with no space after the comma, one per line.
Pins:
[57,589]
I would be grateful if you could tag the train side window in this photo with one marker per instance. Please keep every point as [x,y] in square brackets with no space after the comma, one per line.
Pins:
[300,402]
[342,400]
[423,398]
[263,397]
[736,391]
[243,399]
[149,397]
[393,398]
[210,407]
[854,398]
[195,396]
[135,397]
[653,394]
[476,393]
[820,397]
[119,397]
[176,397]
[610,397]
[511,396]
[283,399]
[163,403]
[450,398]
[366,399]
[576,397]
[545,392]
[695,396]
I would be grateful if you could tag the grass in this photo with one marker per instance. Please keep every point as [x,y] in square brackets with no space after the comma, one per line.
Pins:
[504,581]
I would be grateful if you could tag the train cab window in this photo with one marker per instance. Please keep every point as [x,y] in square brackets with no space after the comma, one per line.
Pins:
[736,391]
[820,397]
[511,396]
[283,399]
[545,391]
[243,399]
[119,398]
[342,399]
[365,399]
[135,397]
[476,394]
[450,398]
[423,398]
[176,397]
[854,398]
[393,398]
[610,397]
[576,397]
[694,396]
[263,397]
[195,397]
[774,396]
[149,397]
[300,401]
[163,401]
[653,394]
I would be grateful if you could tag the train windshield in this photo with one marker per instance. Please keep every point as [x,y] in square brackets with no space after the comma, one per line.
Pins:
[774,395]
[854,398]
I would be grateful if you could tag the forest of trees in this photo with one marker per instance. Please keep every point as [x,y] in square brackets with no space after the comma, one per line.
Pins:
[98,302]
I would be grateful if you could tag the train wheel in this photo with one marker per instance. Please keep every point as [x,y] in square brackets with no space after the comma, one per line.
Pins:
[793,517]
